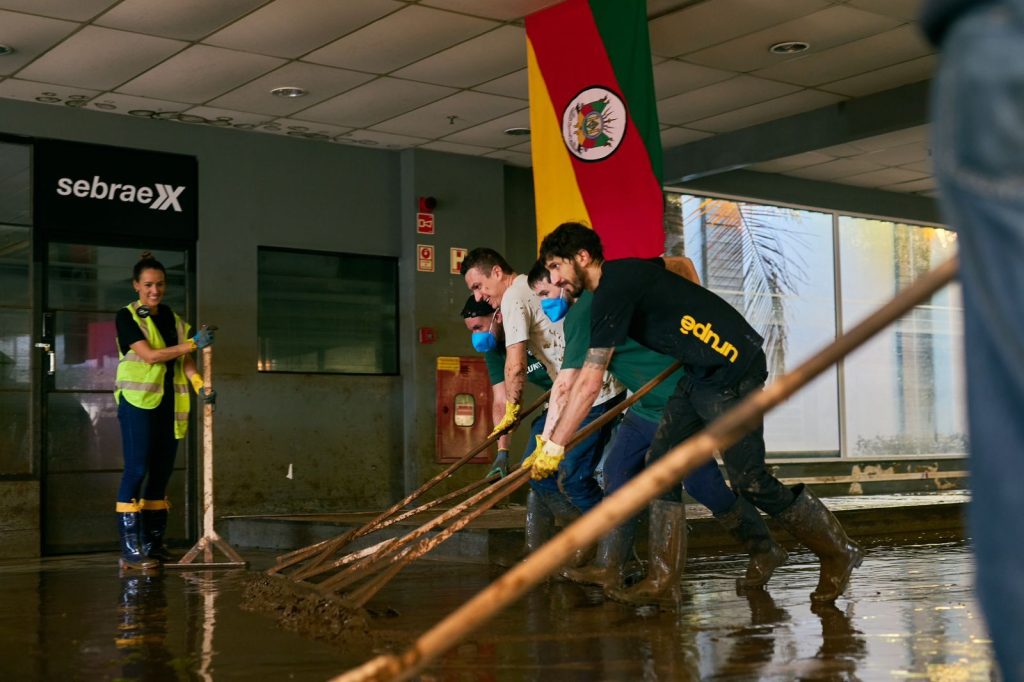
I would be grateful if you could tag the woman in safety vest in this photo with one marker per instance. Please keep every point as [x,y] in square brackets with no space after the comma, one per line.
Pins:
[153,374]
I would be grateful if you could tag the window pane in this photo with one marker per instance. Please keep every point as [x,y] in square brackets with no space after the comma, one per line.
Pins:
[93,278]
[775,265]
[905,387]
[15,379]
[332,313]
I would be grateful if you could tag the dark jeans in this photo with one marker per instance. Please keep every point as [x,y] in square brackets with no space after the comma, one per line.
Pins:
[978,154]
[149,449]
[696,404]
[626,459]
[575,477]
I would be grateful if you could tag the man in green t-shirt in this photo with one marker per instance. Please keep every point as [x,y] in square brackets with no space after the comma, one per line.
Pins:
[634,365]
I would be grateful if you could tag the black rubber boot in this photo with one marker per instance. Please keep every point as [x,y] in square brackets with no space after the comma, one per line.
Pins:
[132,556]
[564,514]
[813,524]
[667,557]
[746,525]
[540,522]
[154,527]
[613,551]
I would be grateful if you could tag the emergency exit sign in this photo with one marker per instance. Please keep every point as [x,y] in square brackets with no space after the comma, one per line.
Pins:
[458,255]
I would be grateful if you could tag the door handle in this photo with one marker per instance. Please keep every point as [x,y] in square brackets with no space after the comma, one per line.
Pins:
[48,349]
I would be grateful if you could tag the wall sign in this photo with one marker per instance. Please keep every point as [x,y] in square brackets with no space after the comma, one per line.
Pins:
[458,255]
[425,223]
[424,257]
[114,190]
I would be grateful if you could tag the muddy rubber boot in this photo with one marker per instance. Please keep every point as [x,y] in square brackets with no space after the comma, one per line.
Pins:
[131,549]
[540,522]
[746,525]
[564,513]
[813,524]
[667,557]
[154,527]
[612,552]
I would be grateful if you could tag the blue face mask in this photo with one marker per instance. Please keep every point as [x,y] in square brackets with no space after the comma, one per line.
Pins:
[555,308]
[484,342]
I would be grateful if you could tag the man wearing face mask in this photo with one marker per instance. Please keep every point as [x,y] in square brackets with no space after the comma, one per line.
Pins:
[491,279]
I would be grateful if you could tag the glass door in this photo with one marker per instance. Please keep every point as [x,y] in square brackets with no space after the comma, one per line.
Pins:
[84,286]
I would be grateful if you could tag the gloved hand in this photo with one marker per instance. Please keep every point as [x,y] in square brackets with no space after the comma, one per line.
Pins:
[203,338]
[547,460]
[528,462]
[197,382]
[510,418]
[500,465]
[208,395]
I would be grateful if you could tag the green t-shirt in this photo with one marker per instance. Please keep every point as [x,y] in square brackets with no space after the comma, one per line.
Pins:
[632,364]
[535,372]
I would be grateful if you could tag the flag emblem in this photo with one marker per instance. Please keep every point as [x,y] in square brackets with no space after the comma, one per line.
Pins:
[594,123]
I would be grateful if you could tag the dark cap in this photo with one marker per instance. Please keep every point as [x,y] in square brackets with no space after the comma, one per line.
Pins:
[475,308]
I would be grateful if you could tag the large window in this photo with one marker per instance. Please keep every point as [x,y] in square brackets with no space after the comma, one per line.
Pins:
[327,313]
[797,275]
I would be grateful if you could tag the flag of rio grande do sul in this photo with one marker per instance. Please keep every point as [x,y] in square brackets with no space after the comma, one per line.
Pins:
[594,127]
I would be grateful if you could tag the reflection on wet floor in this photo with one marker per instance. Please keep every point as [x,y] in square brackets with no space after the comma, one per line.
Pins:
[909,614]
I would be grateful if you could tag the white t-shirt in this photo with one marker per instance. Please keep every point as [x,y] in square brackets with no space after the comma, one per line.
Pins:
[523,319]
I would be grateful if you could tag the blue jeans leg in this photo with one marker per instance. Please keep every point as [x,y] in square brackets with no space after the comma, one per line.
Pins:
[576,472]
[978,153]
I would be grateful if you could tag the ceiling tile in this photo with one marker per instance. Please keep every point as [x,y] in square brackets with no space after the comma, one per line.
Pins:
[100,58]
[920,166]
[30,36]
[672,77]
[709,23]
[886,78]
[908,10]
[900,155]
[76,10]
[436,120]
[513,85]
[851,59]
[45,93]
[142,107]
[511,157]
[495,53]
[376,138]
[524,148]
[788,163]
[492,134]
[423,32]
[787,105]
[200,73]
[454,148]
[181,19]
[503,10]
[879,178]
[376,101]
[923,185]
[308,130]
[673,137]
[893,139]
[822,30]
[291,28]
[226,118]
[322,82]
[720,97]
[840,168]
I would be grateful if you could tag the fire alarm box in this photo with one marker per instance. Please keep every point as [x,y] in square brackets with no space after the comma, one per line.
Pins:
[463,408]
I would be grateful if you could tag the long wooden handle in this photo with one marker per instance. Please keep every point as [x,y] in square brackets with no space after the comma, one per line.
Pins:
[644,487]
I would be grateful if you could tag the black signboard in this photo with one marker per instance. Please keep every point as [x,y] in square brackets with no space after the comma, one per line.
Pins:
[95,189]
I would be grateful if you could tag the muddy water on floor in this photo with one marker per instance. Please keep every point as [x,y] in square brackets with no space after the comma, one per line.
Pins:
[909,614]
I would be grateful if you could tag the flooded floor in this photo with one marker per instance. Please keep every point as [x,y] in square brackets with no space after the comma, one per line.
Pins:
[909,614]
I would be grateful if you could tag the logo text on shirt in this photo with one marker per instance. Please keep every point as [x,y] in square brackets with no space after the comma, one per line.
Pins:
[702,331]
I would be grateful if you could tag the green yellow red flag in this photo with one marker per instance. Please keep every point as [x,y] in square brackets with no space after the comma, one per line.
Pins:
[594,126]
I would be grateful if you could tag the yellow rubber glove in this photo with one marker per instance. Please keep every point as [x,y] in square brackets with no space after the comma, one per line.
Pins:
[197,382]
[546,462]
[511,415]
[528,462]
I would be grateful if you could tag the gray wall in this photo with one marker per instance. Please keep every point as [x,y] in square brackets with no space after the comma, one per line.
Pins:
[354,442]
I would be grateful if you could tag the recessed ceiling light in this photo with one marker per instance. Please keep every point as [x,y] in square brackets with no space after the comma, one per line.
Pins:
[789,47]
[5,49]
[289,91]
[517,132]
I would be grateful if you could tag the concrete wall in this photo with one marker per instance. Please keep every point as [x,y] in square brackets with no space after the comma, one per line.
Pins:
[353,442]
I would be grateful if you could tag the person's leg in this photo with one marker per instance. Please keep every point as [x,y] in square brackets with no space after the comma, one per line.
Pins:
[576,472]
[154,506]
[135,439]
[978,153]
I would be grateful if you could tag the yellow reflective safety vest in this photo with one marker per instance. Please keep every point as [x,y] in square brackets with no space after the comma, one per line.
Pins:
[142,384]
